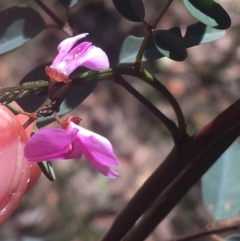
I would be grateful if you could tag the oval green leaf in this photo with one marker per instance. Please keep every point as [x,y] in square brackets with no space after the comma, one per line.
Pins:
[131,46]
[31,102]
[209,12]
[47,169]
[233,237]
[68,3]
[169,45]
[133,10]
[200,33]
[17,27]
[220,185]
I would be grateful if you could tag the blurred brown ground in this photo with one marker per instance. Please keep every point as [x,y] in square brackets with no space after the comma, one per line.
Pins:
[82,204]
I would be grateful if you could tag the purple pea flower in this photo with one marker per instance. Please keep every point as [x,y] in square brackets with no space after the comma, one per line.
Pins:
[72,142]
[70,58]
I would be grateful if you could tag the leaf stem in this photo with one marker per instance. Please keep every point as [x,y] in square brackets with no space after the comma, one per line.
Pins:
[175,176]
[54,17]
[149,79]
[207,231]
[161,12]
[169,124]
[200,162]
[150,30]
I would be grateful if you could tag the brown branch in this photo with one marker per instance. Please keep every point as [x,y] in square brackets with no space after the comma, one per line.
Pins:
[168,123]
[198,154]
[207,231]
[54,17]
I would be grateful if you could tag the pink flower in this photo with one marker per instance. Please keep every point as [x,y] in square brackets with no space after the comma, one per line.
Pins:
[72,142]
[69,58]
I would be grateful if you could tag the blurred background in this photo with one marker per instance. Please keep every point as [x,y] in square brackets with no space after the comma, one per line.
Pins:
[82,204]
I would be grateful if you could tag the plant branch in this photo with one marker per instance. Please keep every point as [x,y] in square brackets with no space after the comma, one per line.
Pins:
[207,231]
[161,12]
[149,79]
[167,200]
[177,173]
[169,124]
[10,94]
[150,30]
[54,17]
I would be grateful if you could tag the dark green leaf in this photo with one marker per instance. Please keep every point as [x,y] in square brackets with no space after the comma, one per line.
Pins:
[196,34]
[221,192]
[169,45]
[47,170]
[235,237]
[132,10]
[209,12]
[131,46]
[68,3]
[31,102]
[199,33]
[77,96]
[18,25]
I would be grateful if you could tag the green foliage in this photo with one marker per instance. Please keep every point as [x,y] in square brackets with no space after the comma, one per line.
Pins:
[68,3]
[18,27]
[221,192]
[131,46]
[196,34]
[233,238]
[209,12]
[200,33]
[48,170]
[132,10]
[169,45]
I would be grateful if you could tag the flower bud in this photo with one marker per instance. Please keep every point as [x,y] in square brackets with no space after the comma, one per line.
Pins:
[16,174]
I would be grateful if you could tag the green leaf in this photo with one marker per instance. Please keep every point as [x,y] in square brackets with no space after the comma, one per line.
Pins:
[77,96]
[47,170]
[17,27]
[235,237]
[132,10]
[31,102]
[220,185]
[169,45]
[196,34]
[68,3]
[209,12]
[131,46]
[199,33]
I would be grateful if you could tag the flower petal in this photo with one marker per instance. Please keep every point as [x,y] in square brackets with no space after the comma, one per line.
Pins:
[105,170]
[72,60]
[95,59]
[76,151]
[66,45]
[89,56]
[97,149]
[51,143]
[96,146]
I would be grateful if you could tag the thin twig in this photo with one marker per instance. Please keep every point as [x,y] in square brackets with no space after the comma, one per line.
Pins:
[198,154]
[161,12]
[148,78]
[150,29]
[204,148]
[169,124]
[206,231]
[54,17]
